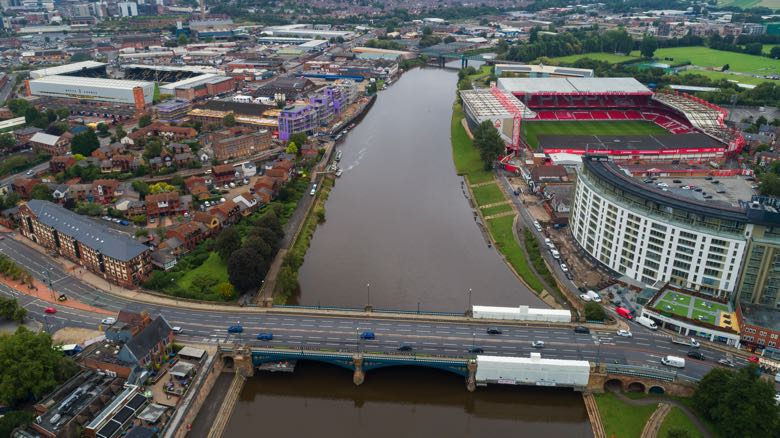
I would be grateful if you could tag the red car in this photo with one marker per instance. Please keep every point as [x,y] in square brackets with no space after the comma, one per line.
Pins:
[50,310]
[753,359]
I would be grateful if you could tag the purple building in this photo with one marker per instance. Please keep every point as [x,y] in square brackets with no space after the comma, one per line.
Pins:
[307,117]
[173,110]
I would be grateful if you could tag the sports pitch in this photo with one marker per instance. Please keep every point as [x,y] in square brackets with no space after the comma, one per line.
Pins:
[533,130]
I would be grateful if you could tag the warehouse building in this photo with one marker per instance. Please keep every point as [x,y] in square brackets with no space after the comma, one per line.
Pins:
[199,87]
[136,94]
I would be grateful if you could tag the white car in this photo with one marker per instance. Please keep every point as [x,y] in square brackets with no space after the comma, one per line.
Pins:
[556,255]
[537,344]
[108,321]
[625,333]
[177,330]
[585,297]
[564,268]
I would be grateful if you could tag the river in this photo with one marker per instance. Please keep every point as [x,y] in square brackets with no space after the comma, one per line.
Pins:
[320,400]
[398,219]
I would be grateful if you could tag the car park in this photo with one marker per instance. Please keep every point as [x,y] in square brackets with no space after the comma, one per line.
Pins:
[581,329]
[625,333]
[494,331]
[108,321]
[537,344]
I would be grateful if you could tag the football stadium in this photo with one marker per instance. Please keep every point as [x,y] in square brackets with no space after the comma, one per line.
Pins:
[615,116]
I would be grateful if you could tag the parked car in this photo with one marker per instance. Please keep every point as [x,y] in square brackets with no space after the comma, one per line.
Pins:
[585,297]
[494,331]
[625,333]
[108,321]
[265,336]
[581,329]
[564,268]
[537,344]
[367,335]
[236,328]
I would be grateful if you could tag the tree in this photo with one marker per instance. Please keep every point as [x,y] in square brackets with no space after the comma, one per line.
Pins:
[144,121]
[229,120]
[648,46]
[12,420]
[246,269]
[102,129]
[80,57]
[120,132]
[31,366]
[722,392]
[19,107]
[268,236]
[594,312]
[227,243]
[299,138]
[226,291]
[726,67]
[41,191]
[202,283]
[7,141]
[775,52]
[57,128]
[161,187]
[291,149]
[427,30]
[287,280]
[85,143]
[152,149]
[142,188]
[489,143]
[449,39]
[256,243]
[63,113]
[182,39]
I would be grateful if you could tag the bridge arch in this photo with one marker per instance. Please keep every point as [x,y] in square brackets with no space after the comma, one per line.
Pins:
[636,387]
[228,362]
[656,390]
[614,383]
[458,369]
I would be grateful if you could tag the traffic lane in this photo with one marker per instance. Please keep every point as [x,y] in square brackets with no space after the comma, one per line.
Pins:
[64,316]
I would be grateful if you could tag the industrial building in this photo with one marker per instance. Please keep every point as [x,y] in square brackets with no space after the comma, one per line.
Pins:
[90,69]
[199,87]
[307,31]
[651,234]
[533,370]
[136,94]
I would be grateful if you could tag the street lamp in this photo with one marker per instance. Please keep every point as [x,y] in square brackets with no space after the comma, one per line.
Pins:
[473,340]
[368,297]
[357,340]
[468,305]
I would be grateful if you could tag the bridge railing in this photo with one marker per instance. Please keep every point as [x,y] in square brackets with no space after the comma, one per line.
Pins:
[642,371]
[357,309]
[341,353]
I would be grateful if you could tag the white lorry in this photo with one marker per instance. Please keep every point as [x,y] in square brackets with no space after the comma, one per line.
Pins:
[690,342]
[647,322]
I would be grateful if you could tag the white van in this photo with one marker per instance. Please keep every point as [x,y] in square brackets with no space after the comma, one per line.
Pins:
[647,322]
[673,361]
[777,377]
[594,296]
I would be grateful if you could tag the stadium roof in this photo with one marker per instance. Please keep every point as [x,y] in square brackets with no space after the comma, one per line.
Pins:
[573,85]
[189,68]
[92,82]
[194,81]
[65,69]
[87,231]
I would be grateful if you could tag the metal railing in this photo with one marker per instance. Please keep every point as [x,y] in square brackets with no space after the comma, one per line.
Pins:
[361,310]
[641,371]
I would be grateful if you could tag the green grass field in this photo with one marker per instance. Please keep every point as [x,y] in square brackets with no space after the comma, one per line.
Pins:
[213,267]
[496,209]
[621,420]
[717,75]
[597,56]
[710,305]
[488,194]
[501,229]
[745,4]
[633,127]
[706,57]
[464,154]
[676,419]
[768,47]
[698,315]
[677,309]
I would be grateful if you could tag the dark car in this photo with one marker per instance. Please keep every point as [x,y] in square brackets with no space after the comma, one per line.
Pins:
[367,335]
[405,348]
[581,329]
[494,331]
[235,329]
[265,336]
[477,350]
[693,354]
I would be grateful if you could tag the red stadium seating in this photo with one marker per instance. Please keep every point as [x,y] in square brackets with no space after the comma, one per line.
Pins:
[582,115]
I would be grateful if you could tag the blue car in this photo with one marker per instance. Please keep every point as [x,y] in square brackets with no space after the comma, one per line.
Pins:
[265,336]
[235,329]
[367,335]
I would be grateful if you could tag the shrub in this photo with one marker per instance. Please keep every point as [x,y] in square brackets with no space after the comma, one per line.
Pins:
[594,312]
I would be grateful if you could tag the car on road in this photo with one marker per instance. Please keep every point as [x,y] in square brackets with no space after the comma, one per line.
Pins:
[2,237]
[753,359]
[564,268]
[625,333]
[581,329]
[695,355]
[265,336]
[108,321]
[177,330]
[537,344]
[236,328]
[405,348]
[585,297]
[367,335]
[494,331]
[62,297]
[313,189]
[50,310]
[476,350]
[29,172]
[538,226]
[726,362]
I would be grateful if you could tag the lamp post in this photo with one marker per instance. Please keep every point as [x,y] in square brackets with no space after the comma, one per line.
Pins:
[357,340]
[368,297]
[48,280]
[468,305]
[473,340]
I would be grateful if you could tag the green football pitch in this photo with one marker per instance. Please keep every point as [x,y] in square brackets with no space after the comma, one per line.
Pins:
[533,130]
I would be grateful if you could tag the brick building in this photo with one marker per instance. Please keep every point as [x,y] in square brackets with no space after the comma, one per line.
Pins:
[157,129]
[60,163]
[113,256]
[50,144]
[224,174]
[190,234]
[104,191]
[239,142]
[23,186]
[163,204]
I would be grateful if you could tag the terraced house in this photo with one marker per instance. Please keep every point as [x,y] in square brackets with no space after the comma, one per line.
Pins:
[113,256]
